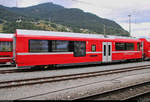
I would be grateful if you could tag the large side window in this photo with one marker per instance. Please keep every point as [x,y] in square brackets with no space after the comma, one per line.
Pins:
[130,46]
[38,45]
[120,46]
[71,46]
[124,46]
[5,46]
[79,48]
[60,46]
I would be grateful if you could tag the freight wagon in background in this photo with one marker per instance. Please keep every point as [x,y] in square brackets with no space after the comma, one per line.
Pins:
[46,48]
[6,48]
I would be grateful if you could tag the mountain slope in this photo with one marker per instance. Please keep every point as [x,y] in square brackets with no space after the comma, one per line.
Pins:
[74,18]
[6,15]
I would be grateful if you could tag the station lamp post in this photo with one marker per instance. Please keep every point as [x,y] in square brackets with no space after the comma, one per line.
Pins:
[129,24]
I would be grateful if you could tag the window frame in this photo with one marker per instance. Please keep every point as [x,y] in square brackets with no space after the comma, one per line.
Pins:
[125,46]
[10,46]
[119,49]
[128,45]
[29,46]
[71,47]
[80,55]
[58,50]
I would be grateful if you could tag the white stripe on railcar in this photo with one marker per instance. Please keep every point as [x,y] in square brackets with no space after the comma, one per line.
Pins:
[6,58]
[53,53]
[2,35]
[93,52]
[44,53]
[123,51]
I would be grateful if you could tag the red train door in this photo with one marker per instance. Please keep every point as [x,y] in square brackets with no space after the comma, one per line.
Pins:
[107,52]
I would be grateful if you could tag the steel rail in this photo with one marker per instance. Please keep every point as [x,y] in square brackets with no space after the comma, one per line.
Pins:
[126,93]
[32,81]
[15,71]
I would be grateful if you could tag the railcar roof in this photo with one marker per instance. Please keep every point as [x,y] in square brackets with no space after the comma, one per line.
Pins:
[6,35]
[69,34]
[121,37]
[60,34]
[127,40]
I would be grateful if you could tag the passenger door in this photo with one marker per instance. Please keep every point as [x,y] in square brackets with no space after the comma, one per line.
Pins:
[107,52]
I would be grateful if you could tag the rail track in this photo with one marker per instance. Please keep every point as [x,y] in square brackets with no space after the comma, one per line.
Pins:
[9,71]
[32,81]
[5,71]
[139,98]
[127,93]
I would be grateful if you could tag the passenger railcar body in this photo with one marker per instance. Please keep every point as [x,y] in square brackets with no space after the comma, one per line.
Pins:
[6,48]
[126,48]
[50,48]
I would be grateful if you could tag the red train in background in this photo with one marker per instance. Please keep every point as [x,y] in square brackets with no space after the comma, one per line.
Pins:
[145,48]
[45,48]
[6,48]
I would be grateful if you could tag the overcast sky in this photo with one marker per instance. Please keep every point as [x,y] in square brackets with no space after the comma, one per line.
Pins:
[117,10]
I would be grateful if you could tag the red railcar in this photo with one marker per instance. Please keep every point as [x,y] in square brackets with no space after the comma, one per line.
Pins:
[6,48]
[145,48]
[51,48]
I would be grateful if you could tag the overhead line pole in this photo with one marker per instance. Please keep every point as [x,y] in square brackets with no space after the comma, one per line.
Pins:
[129,24]
[16,3]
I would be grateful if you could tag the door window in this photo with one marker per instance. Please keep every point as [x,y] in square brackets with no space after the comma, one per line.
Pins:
[79,48]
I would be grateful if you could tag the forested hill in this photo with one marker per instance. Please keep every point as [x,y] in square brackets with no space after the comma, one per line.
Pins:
[75,19]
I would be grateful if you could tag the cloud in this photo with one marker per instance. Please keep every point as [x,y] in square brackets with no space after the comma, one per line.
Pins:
[26,3]
[113,9]
[138,29]
[9,3]
[117,10]
[120,4]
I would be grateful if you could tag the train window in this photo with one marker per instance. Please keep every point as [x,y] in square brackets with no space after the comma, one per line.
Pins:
[130,46]
[120,46]
[79,48]
[38,46]
[109,50]
[5,46]
[93,48]
[71,46]
[60,46]
[104,50]
[138,46]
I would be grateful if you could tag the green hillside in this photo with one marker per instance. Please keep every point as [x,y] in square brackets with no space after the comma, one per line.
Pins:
[74,19]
